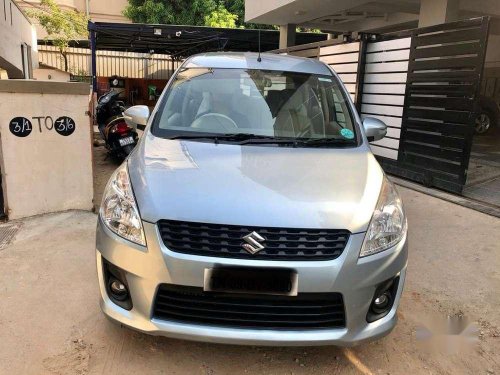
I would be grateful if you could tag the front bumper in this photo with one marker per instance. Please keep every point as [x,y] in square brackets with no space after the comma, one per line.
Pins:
[146,268]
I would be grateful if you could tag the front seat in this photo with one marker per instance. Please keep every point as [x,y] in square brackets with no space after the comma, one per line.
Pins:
[251,112]
[206,105]
[292,119]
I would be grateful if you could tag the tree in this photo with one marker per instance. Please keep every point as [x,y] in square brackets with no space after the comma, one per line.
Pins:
[176,12]
[149,11]
[62,26]
[221,17]
[215,13]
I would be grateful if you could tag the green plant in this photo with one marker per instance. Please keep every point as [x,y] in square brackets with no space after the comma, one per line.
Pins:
[221,17]
[62,26]
[215,13]
[176,12]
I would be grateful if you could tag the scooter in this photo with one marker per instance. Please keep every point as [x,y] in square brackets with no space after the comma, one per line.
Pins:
[120,139]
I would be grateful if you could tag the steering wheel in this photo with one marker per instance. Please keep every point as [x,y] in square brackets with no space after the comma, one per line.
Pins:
[215,122]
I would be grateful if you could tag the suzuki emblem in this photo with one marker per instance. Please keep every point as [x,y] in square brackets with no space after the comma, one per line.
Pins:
[253,242]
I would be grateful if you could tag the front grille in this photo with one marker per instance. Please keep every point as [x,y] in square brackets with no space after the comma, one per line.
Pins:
[193,305]
[219,240]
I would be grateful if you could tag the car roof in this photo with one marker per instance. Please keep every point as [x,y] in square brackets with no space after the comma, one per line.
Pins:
[248,60]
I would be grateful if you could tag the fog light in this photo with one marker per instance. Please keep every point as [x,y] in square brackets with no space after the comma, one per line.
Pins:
[118,289]
[383,300]
[381,303]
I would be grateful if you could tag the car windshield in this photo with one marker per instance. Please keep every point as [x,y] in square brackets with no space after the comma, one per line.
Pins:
[243,104]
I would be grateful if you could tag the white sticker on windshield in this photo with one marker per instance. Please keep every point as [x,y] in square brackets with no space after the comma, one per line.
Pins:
[324,79]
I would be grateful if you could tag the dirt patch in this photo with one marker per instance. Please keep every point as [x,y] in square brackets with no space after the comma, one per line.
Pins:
[74,360]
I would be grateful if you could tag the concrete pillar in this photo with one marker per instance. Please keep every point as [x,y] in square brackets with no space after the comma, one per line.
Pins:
[435,12]
[287,35]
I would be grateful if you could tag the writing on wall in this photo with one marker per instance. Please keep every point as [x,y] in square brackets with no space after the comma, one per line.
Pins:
[22,126]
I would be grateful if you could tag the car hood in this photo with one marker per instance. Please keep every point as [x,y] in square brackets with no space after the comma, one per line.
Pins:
[255,185]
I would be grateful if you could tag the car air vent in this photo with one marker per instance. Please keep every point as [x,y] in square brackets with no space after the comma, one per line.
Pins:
[304,311]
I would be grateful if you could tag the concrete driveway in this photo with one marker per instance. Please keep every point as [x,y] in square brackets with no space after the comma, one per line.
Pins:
[50,322]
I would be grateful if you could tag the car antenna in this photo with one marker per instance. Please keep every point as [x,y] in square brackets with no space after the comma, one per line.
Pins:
[259,58]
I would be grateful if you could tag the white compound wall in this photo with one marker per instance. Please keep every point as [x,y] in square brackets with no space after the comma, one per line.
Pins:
[45,147]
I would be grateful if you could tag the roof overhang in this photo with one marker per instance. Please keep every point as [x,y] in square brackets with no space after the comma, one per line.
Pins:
[341,16]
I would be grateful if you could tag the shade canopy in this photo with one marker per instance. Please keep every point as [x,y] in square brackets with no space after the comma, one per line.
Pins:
[183,41]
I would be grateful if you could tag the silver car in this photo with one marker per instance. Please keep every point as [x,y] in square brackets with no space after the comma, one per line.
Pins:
[252,211]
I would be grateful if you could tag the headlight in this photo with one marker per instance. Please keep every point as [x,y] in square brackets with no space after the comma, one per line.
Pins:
[118,208]
[388,224]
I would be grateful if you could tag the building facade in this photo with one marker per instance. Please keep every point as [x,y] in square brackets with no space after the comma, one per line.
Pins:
[97,10]
[18,42]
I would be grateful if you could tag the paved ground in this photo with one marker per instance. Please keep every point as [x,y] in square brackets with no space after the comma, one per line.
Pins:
[50,322]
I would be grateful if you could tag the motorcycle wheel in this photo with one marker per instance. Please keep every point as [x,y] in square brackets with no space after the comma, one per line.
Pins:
[483,123]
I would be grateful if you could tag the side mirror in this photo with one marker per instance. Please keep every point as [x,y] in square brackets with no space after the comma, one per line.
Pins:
[375,129]
[137,115]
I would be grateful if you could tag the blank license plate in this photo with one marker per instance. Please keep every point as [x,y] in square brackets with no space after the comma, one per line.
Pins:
[126,141]
[251,281]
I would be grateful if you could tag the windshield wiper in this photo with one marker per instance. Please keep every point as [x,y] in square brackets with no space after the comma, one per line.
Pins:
[312,142]
[249,138]
[194,136]
[240,138]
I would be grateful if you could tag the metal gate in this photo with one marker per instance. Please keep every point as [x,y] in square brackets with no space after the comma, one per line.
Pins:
[424,84]
[441,103]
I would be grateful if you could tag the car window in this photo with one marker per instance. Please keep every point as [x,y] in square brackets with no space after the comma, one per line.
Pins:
[268,103]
